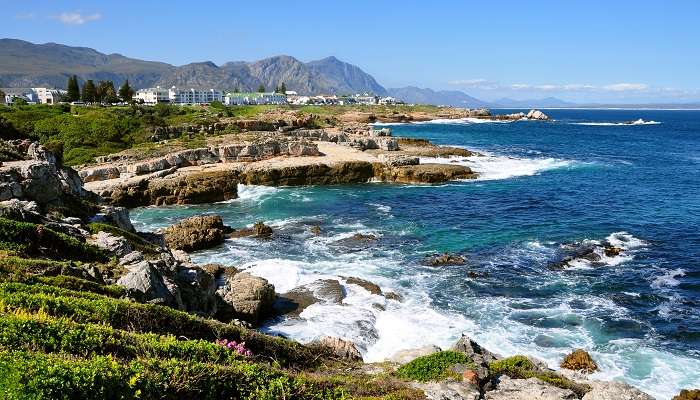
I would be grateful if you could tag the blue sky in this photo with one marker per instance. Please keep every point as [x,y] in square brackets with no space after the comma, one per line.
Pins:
[618,51]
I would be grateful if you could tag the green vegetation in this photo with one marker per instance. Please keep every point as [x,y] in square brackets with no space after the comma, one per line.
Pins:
[36,240]
[126,92]
[136,241]
[433,367]
[73,90]
[520,367]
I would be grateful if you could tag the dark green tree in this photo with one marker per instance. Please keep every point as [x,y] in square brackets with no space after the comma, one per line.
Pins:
[126,93]
[283,88]
[106,93]
[236,90]
[73,90]
[89,92]
[2,96]
[261,89]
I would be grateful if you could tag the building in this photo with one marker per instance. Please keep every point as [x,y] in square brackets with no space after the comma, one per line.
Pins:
[366,99]
[389,101]
[152,95]
[237,99]
[194,96]
[27,95]
[48,96]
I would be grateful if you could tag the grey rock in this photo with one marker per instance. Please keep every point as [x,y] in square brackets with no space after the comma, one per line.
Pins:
[406,356]
[601,390]
[145,283]
[342,348]
[479,355]
[246,297]
[527,389]
[134,257]
[196,233]
[117,216]
[111,243]
[448,390]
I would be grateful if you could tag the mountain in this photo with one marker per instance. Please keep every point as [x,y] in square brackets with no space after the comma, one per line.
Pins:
[456,98]
[25,64]
[549,102]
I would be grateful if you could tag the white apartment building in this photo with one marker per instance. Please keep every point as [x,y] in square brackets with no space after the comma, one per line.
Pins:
[28,95]
[236,99]
[194,96]
[153,95]
[48,96]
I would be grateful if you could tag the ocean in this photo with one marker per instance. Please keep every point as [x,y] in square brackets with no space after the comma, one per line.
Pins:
[547,191]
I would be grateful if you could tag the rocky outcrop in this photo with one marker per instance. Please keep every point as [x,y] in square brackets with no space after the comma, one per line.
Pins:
[99,173]
[612,390]
[448,390]
[527,389]
[479,355]
[537,114]
[688,395]
[344,349]
[259,229]
[425,173]
[408,355]
[117,245]
[117,216]
[196,233]
[39,177]
[444,259]
[145,283]
[579,360]
[191,188]
[310,174]
[246,297]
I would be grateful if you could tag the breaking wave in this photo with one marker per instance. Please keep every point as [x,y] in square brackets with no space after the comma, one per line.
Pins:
[627,123]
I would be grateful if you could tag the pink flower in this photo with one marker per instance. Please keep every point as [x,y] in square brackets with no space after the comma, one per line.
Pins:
[237,347]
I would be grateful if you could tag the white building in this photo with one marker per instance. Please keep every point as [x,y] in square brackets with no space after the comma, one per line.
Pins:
[48,96]
[389,101]
[194,96]
[152,95]
[236,99]
[365,99]
[27,95]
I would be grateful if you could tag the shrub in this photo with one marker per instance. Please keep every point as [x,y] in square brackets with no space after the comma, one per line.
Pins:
[85,307]
[78,284]
[432,367]
[520,367]
[136,241]
[34,375]
[37,240]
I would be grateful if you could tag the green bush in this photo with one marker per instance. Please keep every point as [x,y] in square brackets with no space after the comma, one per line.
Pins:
[37,240]
[85,307]
[432,367]
[51,335]
[520,367]
[136,241]
[27,375]
[20,269]
[78,284]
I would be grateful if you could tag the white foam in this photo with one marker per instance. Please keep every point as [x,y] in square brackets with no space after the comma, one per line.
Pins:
[631,123]
[625,241]
[249,193]
[494,167]
[668,279]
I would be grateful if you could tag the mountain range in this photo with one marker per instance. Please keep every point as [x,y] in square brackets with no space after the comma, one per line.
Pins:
[25,64]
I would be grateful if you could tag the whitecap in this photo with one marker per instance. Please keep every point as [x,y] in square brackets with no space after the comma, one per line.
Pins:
[668,279]
[640,121]
[495,167]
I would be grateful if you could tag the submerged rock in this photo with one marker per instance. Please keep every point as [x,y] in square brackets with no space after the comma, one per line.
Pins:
[196,233]
[259,229]
[444,260]
[294,302]
[365,284]
[579,360]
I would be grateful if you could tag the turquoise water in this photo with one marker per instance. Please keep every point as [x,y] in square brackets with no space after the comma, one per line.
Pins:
[547,190]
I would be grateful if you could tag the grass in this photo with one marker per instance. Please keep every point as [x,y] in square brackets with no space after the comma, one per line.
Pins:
[433,367]
[33,240]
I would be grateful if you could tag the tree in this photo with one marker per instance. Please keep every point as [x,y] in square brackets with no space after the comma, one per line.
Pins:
[89,93]
[105,92]
[73,93]
[283,88]
[236,90]
[126,92]
[261,89]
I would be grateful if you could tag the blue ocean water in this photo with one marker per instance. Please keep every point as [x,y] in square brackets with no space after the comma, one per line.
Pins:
[546,190]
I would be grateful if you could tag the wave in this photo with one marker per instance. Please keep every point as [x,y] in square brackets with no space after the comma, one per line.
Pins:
[495,167]
[630,123]
[449,121]
[668,279]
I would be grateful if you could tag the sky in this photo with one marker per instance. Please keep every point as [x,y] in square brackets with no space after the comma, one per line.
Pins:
[607,51]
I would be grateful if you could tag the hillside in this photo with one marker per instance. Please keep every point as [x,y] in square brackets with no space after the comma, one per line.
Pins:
[456,98]
[24,64]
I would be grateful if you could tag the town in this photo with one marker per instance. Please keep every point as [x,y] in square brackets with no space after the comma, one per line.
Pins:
[104,93]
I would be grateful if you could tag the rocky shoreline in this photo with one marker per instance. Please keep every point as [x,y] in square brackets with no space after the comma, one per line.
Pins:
[154,268]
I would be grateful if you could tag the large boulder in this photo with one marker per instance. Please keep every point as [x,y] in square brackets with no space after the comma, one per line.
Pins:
[685,394]
[479,355]
[145,283]
[196,233]
[117,216]
[579,360]
[116,245]
[345,349]
[444,259]
[198,290]
[538,115]
[245,297]
[527,389]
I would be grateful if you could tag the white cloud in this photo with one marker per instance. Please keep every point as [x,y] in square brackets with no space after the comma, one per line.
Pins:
[76,18]
[626,87]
